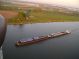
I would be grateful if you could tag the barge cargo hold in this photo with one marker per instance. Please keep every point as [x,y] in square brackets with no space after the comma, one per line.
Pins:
[40,38]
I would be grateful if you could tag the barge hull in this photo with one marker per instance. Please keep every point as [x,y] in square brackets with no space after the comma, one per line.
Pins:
[39,39]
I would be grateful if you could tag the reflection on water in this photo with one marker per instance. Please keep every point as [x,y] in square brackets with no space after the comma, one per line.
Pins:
[66,47]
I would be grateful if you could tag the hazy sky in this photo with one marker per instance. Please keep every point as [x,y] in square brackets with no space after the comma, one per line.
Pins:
[71,3]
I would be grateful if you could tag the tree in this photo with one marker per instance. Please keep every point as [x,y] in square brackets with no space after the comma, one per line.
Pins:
[24,15]
[27,14]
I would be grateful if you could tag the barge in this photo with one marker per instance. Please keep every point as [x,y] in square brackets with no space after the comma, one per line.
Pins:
[25,42]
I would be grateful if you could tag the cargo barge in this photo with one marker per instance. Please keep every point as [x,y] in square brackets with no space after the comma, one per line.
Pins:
[40,38]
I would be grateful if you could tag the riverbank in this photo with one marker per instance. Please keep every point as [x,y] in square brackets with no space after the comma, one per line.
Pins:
[39,17]
[8,14]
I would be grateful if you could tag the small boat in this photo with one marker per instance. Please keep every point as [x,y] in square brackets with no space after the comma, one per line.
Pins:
[34,40]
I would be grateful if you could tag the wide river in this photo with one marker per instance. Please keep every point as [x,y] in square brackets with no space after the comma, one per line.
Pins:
[64,47]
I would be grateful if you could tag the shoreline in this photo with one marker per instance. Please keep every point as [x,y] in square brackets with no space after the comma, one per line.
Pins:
[10,16]
[37,23]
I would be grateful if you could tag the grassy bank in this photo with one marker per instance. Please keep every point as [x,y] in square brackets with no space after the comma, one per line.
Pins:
[45,16]
[39,16]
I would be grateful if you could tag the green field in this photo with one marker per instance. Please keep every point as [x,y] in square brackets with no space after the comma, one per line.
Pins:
[40,16]
[45,16]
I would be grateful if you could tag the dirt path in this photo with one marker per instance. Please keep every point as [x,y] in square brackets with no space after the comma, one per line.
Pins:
[8,14]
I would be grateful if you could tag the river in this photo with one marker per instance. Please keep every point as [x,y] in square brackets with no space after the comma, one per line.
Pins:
[64,47]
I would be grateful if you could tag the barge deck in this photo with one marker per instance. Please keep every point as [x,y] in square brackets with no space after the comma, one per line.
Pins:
[40,38]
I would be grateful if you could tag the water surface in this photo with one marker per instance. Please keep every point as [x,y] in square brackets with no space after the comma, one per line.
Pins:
[65,47]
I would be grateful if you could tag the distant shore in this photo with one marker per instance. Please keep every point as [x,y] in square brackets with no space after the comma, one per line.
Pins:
[38,17]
